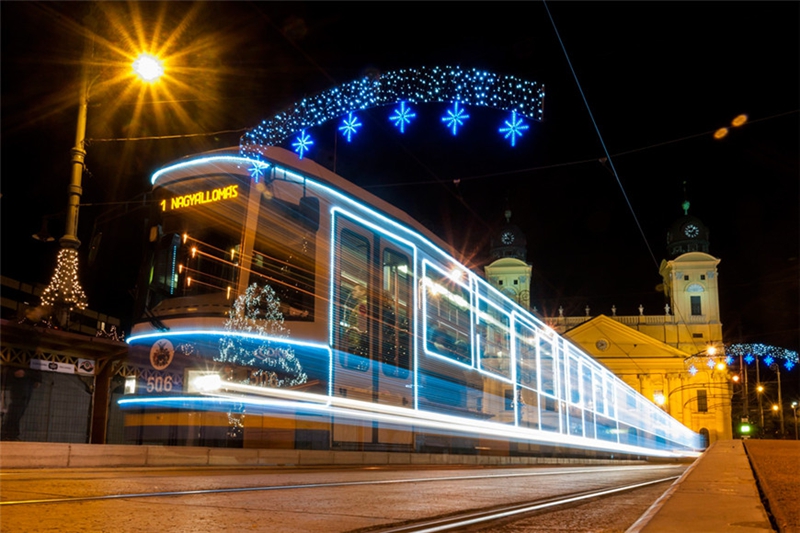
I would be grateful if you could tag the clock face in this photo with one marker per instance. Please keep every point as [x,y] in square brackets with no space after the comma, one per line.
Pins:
[507,237]
[691,231]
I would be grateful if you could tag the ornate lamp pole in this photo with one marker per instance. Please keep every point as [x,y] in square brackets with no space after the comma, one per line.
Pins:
[64,293]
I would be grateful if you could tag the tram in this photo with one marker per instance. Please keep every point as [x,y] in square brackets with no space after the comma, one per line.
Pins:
[286,307]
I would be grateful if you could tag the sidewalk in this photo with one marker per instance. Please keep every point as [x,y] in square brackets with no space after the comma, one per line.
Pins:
[719,493]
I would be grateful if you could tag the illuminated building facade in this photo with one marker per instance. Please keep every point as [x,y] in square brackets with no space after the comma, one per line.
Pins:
[675,358]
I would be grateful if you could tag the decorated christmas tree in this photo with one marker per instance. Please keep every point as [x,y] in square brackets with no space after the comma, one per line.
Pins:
[257,340]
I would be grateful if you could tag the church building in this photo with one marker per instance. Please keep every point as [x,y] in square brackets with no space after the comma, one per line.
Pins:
[675,359]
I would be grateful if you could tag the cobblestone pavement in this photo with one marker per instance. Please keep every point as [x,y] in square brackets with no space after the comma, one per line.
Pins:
[776,464]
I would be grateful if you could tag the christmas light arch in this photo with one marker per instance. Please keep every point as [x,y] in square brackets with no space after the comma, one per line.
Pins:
[751,353]
[472,87]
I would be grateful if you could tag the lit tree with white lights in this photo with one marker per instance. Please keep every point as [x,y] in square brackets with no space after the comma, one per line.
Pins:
[64,293]
[256,331]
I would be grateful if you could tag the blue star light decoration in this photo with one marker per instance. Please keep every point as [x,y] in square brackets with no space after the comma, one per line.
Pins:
[513,128]
[729,360]
[303,143]
[402,116]
[455,118]
[768,354]
[350,126]
[257,170]
[692,370]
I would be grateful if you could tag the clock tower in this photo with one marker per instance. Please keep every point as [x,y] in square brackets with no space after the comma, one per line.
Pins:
[691,284]
[508,272]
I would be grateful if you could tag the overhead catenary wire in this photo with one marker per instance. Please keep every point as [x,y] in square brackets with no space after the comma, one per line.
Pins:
[600,137]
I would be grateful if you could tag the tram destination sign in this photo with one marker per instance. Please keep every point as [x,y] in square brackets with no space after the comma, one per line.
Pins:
[200,197]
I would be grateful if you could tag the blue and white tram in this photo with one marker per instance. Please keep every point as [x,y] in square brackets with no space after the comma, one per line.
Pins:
[370,334]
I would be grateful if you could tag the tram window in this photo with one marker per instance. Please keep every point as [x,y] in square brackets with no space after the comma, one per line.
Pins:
[588,389]
[352,306]
[164,274]
[574,381]
[447,317]
[283,257]
[395,342]
[547,371]
[599,396]
[495,345]
[526,357]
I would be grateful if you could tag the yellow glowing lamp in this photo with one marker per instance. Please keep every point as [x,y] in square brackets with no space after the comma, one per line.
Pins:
[711,350]
[760,388]
[735,378]
[721,365]
[775,407]
[148,67]
[721,133]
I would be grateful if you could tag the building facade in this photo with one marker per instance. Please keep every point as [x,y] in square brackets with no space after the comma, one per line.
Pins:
[675,358]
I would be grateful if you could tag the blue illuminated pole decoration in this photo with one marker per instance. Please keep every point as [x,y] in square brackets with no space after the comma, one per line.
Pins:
[349,126]
[513,128]
[402,116]
[303,143]
[455,118]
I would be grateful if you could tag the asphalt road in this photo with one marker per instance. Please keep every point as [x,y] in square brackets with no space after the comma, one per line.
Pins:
[296,500]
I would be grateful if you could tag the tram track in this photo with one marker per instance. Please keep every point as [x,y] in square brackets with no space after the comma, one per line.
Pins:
[480,519]
[339,484]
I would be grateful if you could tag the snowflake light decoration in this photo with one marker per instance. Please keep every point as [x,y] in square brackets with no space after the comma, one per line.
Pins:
[513,128]
[455,118]
[350,126]
[692,370]
[768,354]
[402,116]
[710,363]
[729,360]
[257,170]
[303,143]
[472,87]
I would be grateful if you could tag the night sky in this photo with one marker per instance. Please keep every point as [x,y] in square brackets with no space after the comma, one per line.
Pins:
[659,79]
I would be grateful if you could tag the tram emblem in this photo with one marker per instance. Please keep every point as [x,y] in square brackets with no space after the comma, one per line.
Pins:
[161,354]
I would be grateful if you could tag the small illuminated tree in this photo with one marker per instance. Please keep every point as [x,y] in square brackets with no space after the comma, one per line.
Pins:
[257,313]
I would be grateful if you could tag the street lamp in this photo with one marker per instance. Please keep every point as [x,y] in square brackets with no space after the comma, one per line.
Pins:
[794,411]
[64,291]
[777,368]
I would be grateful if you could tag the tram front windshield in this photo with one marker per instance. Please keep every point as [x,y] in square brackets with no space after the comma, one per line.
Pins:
[214,241]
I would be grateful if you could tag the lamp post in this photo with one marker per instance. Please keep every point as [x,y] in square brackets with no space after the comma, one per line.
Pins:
[777,368]
[64,293]
[794,411]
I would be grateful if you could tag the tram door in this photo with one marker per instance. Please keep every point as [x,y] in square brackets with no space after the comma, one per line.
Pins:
[372,298]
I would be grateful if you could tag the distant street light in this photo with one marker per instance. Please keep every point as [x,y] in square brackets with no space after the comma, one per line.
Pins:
[777,368]
[794,411]
[64,293]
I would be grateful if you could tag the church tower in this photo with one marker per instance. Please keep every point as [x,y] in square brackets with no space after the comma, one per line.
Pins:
[690,283]
[508,272]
